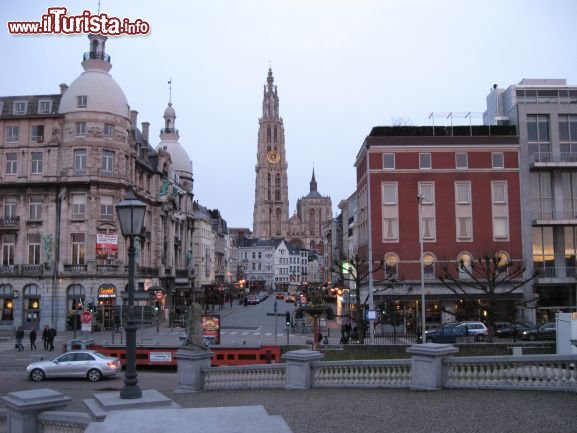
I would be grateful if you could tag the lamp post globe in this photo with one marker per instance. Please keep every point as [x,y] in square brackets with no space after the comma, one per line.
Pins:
[131,212]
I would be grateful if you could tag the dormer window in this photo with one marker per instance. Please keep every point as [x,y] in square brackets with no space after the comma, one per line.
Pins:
[20,107]
[82,101]
[44,106]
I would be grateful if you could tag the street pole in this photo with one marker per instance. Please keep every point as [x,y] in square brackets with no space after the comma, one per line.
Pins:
[370,252]
[131,389]
[422,263]
[275,321]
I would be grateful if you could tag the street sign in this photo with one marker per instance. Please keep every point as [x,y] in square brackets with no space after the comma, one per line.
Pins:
[86,317]
[159,295]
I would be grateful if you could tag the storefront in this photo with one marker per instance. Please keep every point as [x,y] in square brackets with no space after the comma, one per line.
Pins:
[106,306]
[32,306]
[6,306]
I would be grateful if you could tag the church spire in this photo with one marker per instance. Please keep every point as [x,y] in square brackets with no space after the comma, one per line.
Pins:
[313,182]
[270,99]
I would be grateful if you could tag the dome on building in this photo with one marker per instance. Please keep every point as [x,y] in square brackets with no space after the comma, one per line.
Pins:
[102,93]
[179,156]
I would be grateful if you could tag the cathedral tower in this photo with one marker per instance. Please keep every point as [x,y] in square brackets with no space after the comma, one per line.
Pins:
[270,218]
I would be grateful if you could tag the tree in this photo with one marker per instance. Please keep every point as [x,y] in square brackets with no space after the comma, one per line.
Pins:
[356,270]
[491,275]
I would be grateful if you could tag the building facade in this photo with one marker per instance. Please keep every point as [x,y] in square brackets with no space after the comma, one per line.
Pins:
[68,159]
[469,188]
[545,114]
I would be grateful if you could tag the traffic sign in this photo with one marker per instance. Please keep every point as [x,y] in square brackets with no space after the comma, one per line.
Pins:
[86,317]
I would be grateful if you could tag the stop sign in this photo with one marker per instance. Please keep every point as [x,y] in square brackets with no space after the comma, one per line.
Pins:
[86,317]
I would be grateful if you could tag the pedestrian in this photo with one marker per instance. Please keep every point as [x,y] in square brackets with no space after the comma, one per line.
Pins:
[230,300]
[33,339]
[46,337]
[51,336]
[19,339]
[325,340]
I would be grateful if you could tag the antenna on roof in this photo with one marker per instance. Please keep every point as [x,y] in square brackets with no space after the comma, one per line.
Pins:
[98,7]
[170,90]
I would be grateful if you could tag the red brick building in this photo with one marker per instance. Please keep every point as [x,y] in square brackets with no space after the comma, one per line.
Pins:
[468,181]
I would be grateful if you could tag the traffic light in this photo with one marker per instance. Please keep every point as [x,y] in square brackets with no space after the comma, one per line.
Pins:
[91,307]
[288,318]
[157,306]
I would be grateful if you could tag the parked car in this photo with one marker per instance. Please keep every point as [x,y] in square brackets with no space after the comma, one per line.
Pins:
[514,329]
[87,364]
[548,331]
[443,334]
[280,295]
[477,329]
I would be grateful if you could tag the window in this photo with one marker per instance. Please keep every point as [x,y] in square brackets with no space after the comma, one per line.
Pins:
[464,228]
[80,129]
[8,247]
[106,207]
[20,107]
[10,207]
[77,248]
[429,266]
[502,259]
[463,193]
[12,134]
[389,160]
[82,101]
[108,130]
[78,206]
[35,208]
[80,161]
[107,162]
[37,159]
[44,106]
[425,160]
[390,193]
[465,266]
[429,228]
[427,193]
[500,228]
[390,229]
[461,160]
[499,190]
[391,263]
[34,249]
[497,160]
[568,127]
[11,163]
[37,133]
[538,127]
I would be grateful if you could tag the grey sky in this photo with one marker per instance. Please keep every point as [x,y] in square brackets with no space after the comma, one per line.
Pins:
[341,68]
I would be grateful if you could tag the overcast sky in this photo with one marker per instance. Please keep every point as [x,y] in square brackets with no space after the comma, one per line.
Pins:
[341,66]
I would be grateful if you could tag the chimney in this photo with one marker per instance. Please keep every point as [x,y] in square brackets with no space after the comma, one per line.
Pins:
[63,88]
[145,127]
[133,117]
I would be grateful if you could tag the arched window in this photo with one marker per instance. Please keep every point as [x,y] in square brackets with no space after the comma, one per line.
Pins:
[429,266]
[278,221]
[277,188]
[391,263]
[268,134]
[465,265]
[268,187]
[275,135]
[311,222]
[502,262]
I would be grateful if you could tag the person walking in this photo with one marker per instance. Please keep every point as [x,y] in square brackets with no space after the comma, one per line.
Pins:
[33,339]
[51,335]
[46,337]
[19,339]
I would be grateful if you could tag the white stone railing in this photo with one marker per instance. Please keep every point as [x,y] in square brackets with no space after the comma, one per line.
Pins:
[545,372]
[377,373]
[245,377]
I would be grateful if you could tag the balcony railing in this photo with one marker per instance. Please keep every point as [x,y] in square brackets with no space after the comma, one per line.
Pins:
[76,269]
[546,208]
[548,157]
[555,272]
[8,269]
[9,221]
[107,268]
[31,269]
[97,56]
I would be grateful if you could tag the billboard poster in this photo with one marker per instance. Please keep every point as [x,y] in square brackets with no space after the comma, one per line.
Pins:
[106,246]
[210,328]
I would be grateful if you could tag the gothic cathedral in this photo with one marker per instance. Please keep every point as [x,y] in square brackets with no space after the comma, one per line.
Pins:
[270,218]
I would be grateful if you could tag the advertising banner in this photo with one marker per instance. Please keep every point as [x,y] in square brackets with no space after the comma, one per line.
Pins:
[210,328]
[106,246]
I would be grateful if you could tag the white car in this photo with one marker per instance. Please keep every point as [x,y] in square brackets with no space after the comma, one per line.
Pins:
[87,364]
[476,329]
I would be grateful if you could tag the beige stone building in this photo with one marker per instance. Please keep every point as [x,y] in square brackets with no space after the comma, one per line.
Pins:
[67,160]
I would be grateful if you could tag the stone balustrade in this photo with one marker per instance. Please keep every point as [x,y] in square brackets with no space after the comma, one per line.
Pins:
[245,377]
[366,374]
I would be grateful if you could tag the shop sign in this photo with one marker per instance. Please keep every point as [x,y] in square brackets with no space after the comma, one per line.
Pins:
[160,356]
[106,246]
[211,327]
[107,292]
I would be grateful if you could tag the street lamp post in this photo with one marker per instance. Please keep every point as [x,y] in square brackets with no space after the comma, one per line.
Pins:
[422,263]
[131,212]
